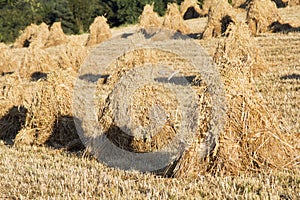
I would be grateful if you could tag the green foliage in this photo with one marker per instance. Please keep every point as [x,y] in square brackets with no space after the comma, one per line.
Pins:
[58,10]
[14,16]
[75,15]
[84,12]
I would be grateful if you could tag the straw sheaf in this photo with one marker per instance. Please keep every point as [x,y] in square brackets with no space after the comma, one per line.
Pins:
[42,104]
[238,3]
[252,140]
[173,19]
[3,45]
[56,35]
[146,97]
[33,36]
[261,14]
[25,61]
[99,31]
[207,5]
[220,15]
[149,18]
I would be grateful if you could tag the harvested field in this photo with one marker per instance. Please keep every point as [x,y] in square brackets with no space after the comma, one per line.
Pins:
[256,156]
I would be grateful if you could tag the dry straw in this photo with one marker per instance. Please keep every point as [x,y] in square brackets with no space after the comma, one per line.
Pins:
[56,35]
[32,110]
[149,18]
[252,140]
[173,19]
[261,14]
[33,36]
[220,15]
[26,61]
[99,31]
[143,99]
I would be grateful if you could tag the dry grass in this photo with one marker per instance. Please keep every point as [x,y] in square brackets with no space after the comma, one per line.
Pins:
[280,84]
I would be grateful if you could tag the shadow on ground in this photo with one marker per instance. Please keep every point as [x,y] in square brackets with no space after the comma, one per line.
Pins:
[11,123]
[290,77]
[277,27]
[64,134]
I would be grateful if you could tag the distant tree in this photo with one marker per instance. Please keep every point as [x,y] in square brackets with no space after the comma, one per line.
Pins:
[59,10]
[15,15]
[120,12]
[75,15]
[84,12]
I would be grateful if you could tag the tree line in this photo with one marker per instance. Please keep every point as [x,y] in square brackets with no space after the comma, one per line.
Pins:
[75,15]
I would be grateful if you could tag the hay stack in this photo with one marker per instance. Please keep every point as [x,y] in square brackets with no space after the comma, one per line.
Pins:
[32,111]
[173,19]
[149,18]
[190,9]
[33,36]
[144,98]
[252,140]
[220,16]
[261,14]
[26,61]
[56,35]
[67,56]
[248,51]
[99,31]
